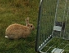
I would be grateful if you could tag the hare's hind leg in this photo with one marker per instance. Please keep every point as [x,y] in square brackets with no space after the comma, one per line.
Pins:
[23,36]
[11,36]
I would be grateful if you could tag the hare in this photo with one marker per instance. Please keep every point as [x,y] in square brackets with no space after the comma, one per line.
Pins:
[16,31]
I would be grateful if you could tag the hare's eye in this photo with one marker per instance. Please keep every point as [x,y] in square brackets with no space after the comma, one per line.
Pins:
[31,26]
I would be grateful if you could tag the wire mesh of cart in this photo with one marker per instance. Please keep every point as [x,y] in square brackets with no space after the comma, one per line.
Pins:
[53,27]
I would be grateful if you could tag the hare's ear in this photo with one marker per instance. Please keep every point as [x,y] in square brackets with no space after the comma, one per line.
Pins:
[27,21]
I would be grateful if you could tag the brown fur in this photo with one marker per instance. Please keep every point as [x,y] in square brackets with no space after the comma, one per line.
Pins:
[16,31]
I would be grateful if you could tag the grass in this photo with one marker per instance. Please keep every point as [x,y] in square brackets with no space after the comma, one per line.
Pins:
[15,11]
[57,43]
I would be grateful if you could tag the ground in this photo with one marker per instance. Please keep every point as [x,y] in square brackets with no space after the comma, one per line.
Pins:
[15,11]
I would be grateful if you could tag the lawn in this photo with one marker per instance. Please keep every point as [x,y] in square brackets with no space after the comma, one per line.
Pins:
[15,11]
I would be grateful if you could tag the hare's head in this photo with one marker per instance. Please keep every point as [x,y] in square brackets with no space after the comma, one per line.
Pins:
[31,26]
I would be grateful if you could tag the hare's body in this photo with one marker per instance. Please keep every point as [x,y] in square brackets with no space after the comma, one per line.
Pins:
[16,31]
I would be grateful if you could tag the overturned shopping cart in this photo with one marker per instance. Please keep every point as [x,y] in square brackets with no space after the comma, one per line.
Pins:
[53,27]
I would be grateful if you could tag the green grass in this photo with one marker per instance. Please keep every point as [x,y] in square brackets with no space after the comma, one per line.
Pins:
[57,43]
[15,11]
